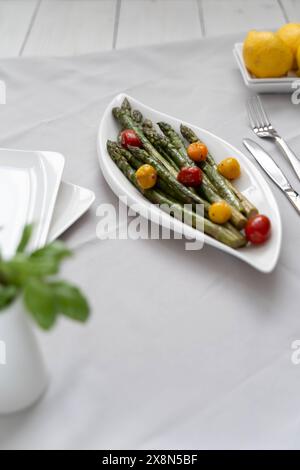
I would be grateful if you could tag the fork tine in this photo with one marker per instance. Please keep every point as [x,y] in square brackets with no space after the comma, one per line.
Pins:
[252,114]
[257,112]
[263,114]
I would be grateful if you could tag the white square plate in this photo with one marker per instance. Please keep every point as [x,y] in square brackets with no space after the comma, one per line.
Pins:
[29,182]
[71,203]
[263,85]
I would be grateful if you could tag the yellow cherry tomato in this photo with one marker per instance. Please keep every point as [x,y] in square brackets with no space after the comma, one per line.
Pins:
[219,212]
[197,151]
[146,176]
[230,168]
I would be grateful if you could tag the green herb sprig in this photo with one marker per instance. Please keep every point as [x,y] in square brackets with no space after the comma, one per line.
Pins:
[31,275]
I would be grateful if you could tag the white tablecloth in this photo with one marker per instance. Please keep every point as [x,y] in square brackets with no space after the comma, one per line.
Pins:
[183,349]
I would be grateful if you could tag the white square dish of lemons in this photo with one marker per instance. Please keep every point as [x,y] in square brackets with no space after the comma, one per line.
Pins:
[269,61]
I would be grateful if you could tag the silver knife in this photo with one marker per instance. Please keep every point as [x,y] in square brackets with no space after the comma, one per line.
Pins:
[273,171]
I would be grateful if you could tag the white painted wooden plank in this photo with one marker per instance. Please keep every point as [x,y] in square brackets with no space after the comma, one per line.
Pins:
[15,19]
[240,15]
[144,22]
[292,10]
[68,27]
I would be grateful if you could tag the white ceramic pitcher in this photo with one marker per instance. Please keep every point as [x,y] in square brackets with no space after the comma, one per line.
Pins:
[23,377]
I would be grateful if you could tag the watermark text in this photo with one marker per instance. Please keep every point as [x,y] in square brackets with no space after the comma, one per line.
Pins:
[139,221]
[295,357]
[2,353]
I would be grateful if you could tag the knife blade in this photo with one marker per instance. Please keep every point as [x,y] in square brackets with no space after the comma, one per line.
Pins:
[273,171]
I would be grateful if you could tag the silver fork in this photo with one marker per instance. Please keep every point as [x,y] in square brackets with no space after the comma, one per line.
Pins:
[262,127]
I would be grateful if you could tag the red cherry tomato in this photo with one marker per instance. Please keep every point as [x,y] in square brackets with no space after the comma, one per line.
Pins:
[190,176]
[129,138]
[258,229]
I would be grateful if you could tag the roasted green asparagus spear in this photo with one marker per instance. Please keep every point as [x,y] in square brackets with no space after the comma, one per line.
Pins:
[137,117]
[135,114]
[217,180]
[115,147]
[170,190]
[207,190]
[135,163]
[247,207]
[126,121]
[126,106]
[184,193]
[167,158]
[234,240]
[161,183]
[147,123]
[173,137]
[160,141]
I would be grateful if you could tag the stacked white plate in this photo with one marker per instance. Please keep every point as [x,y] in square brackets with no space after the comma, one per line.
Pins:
[32,191]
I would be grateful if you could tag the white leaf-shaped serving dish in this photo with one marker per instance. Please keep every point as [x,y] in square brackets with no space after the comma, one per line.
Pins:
[251,183]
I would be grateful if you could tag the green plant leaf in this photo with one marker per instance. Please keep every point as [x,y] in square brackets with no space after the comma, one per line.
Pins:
[20,268]
[27,273]
[56,250]
[26,235]
[7,295]
[70,301]
[40,302]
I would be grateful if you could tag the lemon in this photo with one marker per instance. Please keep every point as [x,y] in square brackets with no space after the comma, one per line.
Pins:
[290,35]
[298,60]
[266,55]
